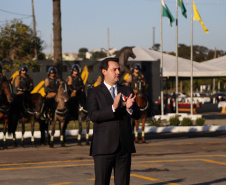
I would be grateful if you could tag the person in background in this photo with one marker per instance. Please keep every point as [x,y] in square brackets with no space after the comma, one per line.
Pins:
[24,85]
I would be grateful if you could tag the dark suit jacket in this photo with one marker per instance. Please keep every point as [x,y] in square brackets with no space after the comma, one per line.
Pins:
[110,127]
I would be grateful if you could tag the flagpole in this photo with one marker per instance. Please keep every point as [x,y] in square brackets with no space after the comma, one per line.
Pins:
[161,61]
[176,56]
[191,57]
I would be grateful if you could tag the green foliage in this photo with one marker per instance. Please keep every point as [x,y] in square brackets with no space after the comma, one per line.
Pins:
[97,55]
[83,50]
[82,55]
[174,121]
[17,41]
[200,121]
[157,122]
[200,53]
[186,122]
[156,47]
[15,65]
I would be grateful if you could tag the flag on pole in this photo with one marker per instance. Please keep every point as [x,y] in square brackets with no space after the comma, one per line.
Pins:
[183,9]
[167,13]
[198,18]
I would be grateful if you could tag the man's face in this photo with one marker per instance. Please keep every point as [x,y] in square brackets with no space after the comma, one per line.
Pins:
[75,72]
[23,72]
[112,74]
[52,75]
[136,70]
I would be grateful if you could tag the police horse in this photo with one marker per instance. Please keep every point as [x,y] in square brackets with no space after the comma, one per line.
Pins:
[60,113]
[83,115]
[56,113]
[26,112]
[5,100]
[143,104]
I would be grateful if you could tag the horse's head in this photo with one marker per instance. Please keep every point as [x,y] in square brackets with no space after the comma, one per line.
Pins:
[123,56]
[62,92]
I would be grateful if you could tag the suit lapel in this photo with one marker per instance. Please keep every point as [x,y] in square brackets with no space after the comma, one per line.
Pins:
[106,93]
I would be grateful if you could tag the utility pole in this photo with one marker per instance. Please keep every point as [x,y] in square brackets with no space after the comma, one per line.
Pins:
[153,37]
[34,29]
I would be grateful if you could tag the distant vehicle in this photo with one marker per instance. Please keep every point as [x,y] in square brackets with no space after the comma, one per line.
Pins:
[180,97]
[201,98]
[219,97]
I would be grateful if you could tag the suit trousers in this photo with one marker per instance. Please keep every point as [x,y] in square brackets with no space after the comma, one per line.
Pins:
[120,161]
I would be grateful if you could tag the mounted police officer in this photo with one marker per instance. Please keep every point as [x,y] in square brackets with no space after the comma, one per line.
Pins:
[51,88]
[135,77]
[24,85]
[132,81]
[2,76]
[76,88]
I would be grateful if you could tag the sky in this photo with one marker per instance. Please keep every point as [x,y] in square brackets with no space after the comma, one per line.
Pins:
[130,22]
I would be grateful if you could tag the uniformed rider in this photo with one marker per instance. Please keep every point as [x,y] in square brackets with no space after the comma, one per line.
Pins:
[132,81]
[51,88]
[24,85]
[135,77]
[74,81]
[76,88]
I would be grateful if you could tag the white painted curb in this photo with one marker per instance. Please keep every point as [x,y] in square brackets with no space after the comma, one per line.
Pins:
[148,129]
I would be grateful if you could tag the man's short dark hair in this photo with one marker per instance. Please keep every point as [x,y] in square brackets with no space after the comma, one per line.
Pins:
[104,63]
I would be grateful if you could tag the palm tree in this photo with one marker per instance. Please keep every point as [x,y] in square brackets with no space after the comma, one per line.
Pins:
[57,39]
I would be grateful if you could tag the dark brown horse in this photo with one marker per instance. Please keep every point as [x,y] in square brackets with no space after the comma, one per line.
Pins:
[143,104]
[123,56]
[60,113]
[5,100]
[83,116]
[20,111]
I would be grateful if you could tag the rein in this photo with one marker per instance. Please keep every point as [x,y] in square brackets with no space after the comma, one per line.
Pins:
[61,112]
[81,109]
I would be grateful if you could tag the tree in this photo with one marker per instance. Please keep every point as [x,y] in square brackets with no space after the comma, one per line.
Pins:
[156,47]
[83,50]
[17,41]
[98,55]
[82,53]
[57,39]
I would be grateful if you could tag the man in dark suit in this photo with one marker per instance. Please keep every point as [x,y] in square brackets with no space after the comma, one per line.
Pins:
[110,107]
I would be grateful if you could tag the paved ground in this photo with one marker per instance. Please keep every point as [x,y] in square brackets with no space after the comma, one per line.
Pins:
[173,159]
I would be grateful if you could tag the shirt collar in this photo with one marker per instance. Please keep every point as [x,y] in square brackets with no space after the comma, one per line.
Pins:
[108,86]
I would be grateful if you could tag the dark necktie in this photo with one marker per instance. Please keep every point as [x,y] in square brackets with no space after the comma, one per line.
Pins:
[112,91]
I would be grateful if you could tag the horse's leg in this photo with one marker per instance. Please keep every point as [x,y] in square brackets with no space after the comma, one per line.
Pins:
[42,130]
[143,126]
[23,131]
[62,133]
[136,132]
[4,132]
[80,128]
[47,128]
[32,131]
[52,133]
[87,129]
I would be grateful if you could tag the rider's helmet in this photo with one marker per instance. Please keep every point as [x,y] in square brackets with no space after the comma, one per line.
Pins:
[23,68]
[52,70]
[76,67]
[137,66]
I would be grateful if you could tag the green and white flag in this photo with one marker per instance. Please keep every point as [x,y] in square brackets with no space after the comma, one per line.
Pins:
[167,13]
[183,9]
